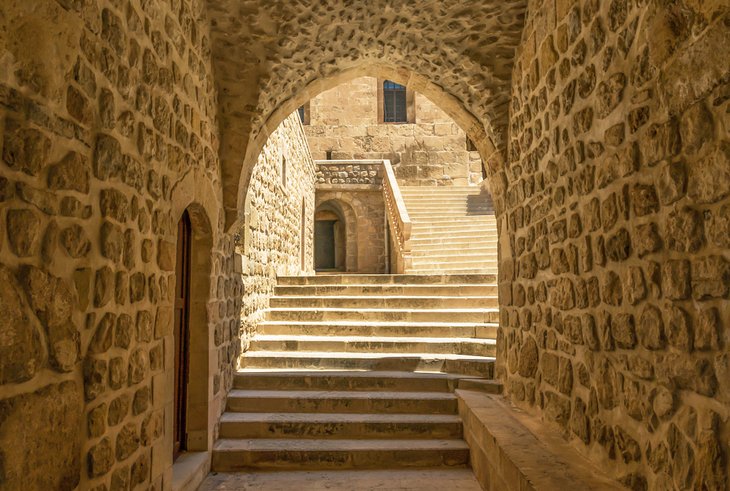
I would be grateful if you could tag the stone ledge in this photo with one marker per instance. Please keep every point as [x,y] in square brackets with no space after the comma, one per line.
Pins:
[189,471]
[508,452]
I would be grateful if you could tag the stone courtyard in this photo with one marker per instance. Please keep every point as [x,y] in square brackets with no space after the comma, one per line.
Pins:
[268,245]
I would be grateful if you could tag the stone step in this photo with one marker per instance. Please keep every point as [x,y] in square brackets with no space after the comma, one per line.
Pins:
[407,290]
[483,220]
[340,425]
[380,329]
[384,302]
[436,479]
[340,401]
[344,380]
[380,315]
[386,279]
[451,270]
[449,263]
[475,233]
[481,385]
[463,209]
[431,227]
[446,240]
[476,250]
[312,454]
[457,256]
[363,344]
[420,362]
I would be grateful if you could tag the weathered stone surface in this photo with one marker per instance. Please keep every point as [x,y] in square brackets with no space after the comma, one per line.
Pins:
[676,279]
[21,352]
[24,228]
[114,204]
[710,277]
[100,458]
[528,357]
[166,253]
[651,328]
[138,366]
[70,173]
[48,457]
[25,149]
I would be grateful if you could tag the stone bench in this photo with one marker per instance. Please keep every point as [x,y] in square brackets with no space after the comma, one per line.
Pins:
[512,451]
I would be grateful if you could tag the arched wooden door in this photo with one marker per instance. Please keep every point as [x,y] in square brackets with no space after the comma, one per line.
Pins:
[182,333]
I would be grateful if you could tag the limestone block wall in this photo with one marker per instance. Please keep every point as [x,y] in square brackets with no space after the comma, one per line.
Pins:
[107,133]
[615,246]
[277,236]
[433,150]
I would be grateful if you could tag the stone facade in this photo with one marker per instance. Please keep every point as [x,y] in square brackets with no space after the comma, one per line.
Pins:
[277,235]
[431,150]
[615,269]
[108,132]
[356,189]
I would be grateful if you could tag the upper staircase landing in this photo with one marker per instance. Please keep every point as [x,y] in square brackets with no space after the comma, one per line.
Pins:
[454,230]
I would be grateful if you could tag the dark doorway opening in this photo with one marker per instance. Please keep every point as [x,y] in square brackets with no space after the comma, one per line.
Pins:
[182,334]
[324,245]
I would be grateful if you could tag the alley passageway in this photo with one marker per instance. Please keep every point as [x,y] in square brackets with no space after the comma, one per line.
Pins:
[525,282]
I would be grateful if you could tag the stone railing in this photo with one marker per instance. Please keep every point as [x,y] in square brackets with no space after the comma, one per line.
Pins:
[398,219]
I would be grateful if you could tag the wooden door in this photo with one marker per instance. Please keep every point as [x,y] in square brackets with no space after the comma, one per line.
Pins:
[182,333]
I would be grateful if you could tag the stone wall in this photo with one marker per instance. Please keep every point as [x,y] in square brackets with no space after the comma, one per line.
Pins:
[433,150]
[279,219]
[615,246]
[108,132]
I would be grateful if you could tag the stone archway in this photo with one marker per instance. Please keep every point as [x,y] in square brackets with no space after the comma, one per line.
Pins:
[199,436]
[447,61]
[345,233]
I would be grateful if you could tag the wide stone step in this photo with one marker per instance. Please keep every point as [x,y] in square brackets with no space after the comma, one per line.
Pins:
[446,257]
[383,315]
[236,455]
[335,401]
[340,425]
[421,227]
[446,240]
[451,270]
[385,302]
[390,290]
[419,362]
[467,263]
[344,380]
[476,250]
[380,329]
[386,279]
[361,344]
[436,479]
[473,233]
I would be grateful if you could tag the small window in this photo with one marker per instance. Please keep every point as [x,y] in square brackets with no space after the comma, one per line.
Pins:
[303,112]
[394,103]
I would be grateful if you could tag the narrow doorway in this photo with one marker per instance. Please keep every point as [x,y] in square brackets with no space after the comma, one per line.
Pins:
[324,245]
[182,334]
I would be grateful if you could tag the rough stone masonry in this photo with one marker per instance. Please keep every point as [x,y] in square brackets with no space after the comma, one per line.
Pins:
[604,129]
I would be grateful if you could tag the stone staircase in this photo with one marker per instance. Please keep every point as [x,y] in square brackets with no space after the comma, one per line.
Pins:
[359,372]
[454,230]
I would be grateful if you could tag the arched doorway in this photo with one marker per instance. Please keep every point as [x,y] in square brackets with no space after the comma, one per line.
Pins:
[330,248]
[181,334]
[190,333]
